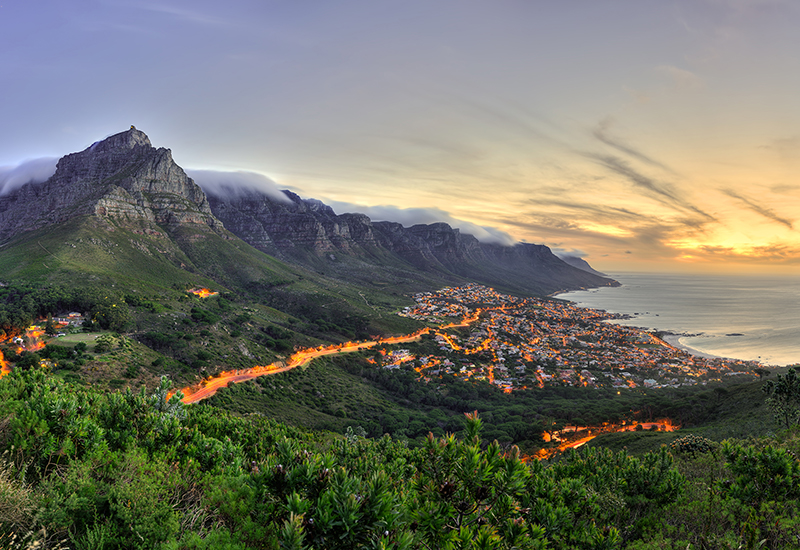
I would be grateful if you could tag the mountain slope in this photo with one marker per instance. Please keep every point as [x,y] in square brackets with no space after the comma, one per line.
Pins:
[122,215]
[122,210]
[165,222]
[580,263]
[121,177]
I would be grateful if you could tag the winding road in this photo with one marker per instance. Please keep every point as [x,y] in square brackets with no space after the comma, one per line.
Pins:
[210,386]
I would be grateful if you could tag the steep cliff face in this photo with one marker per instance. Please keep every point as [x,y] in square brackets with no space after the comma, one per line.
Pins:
[122,177]
[580,263]
[291,227]
[309,232]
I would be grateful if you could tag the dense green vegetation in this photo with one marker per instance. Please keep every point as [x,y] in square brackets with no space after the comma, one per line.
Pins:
[22,303]
[132,279]
[88,469]
[340,391]
[185,336]
[95,454]
[784,397]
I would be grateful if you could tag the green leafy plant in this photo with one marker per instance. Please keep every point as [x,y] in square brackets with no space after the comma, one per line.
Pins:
[692,444]
[784,397]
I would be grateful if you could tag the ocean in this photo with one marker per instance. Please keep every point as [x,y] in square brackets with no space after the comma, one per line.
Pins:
[736,316]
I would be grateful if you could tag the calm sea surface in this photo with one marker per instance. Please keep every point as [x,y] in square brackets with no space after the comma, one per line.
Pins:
[744,317]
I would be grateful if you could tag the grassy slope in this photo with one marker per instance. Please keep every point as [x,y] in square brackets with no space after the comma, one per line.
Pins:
[91,250]
[85,250]
[143,260]
[319,396]
[326,396]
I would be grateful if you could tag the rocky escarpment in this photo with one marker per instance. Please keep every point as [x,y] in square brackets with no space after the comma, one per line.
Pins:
[293,226]
[309,232]
[580,263]
[122,177]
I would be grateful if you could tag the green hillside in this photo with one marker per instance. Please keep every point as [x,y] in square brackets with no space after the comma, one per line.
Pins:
[95,454]
[135,256]
[140,277]
[82,468]
[349,451]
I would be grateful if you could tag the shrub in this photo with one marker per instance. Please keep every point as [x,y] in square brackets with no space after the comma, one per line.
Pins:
[692,444]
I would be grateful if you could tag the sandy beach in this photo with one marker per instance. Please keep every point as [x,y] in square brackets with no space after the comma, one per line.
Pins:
[675,340]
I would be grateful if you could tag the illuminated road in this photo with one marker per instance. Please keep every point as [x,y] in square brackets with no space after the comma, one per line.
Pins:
[4,368]
[209,387]
[664,425]
[31,341]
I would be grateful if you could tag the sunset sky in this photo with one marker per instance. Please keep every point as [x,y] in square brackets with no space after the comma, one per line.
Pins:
[643,135]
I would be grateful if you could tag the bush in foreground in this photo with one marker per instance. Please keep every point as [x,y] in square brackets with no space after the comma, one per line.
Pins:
[129,470]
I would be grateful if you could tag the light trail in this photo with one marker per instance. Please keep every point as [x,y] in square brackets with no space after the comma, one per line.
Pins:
[4,368]
[210,386]
[29,342]
[33,335]
[663,425]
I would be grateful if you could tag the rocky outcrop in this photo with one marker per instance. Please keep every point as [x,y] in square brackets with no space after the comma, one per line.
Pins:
[580,263]
[291,227]
[122,177]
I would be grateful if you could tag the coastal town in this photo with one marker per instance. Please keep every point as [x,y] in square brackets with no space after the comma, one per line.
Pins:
[518,343]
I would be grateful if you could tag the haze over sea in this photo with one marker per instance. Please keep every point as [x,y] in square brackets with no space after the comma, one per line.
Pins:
[739,316]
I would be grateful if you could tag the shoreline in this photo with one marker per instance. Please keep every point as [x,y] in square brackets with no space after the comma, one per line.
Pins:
[720,330]
[674,340]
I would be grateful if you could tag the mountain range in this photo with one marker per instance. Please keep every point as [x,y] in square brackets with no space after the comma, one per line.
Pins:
[123,186]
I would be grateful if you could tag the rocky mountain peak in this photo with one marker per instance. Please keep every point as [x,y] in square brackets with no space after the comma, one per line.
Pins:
[122,141]
[309,232]
[121,177]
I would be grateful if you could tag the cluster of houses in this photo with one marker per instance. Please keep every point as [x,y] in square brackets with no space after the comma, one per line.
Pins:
[73,319]
[518,343]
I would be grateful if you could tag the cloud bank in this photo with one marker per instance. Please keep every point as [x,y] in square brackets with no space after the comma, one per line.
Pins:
[236,183]
[29,171]
[413,216]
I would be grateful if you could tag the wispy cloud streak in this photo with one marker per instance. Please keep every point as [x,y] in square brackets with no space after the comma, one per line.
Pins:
[759,209]
[217,182]
[661,191]
[596,210]
[600,132]
[30,171]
